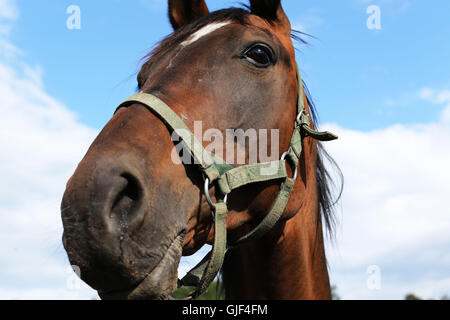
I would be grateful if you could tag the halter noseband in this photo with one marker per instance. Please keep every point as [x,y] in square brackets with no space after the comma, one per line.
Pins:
[227,178]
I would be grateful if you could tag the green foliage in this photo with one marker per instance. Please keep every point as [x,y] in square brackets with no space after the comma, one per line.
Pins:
[334,294]
[412,296]
[214,292]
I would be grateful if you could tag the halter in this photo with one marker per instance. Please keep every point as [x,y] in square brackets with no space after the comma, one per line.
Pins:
[227,178]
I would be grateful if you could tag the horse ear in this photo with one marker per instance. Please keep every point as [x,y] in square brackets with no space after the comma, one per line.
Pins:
[182,12]
[272,11]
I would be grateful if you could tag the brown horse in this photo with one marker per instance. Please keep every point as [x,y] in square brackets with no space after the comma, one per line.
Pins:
[130,213]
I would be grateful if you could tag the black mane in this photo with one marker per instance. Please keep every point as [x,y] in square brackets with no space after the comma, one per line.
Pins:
[329,190]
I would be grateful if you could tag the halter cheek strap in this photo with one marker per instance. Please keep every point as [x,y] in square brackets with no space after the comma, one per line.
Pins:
[227,178]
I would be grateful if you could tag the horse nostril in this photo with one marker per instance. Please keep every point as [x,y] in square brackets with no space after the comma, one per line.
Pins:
[132,189]
[128,203]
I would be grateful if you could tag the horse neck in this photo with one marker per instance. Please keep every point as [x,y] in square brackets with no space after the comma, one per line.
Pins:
[289,261]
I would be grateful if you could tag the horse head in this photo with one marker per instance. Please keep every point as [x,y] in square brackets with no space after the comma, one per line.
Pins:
[131,210]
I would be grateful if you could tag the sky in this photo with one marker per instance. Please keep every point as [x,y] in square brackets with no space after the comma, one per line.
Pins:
[385,91]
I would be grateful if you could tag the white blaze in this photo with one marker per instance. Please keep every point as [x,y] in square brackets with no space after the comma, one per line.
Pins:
[203,32]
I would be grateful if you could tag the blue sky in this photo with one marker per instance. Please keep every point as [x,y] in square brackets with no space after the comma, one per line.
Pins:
[385,92]
[355,74]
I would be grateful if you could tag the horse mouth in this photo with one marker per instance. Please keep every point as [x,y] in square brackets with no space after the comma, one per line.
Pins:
[159,283]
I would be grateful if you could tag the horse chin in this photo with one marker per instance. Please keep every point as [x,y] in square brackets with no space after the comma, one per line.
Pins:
[159,283]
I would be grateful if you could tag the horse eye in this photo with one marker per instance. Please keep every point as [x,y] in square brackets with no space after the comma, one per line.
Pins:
[259,55]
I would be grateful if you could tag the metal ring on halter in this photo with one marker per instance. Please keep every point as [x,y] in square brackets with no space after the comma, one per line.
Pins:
[283,157]
[208,198]
[299,116]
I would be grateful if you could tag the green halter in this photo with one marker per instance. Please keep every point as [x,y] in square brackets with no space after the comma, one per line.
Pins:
[227,178]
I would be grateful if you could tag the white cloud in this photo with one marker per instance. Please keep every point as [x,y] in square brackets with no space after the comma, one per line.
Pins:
[394,208]
[41,143]
[440,97]
[8,13]
[8,10]
[435,96]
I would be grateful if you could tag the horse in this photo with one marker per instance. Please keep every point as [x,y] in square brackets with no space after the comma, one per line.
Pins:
[130,211]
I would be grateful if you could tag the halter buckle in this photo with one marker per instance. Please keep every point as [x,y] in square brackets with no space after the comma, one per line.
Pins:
[283,157]
[208,198]
[302,118]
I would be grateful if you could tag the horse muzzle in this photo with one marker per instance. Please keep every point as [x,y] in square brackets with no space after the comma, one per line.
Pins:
[111,234]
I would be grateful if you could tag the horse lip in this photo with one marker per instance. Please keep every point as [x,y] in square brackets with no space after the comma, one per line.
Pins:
[128,293]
